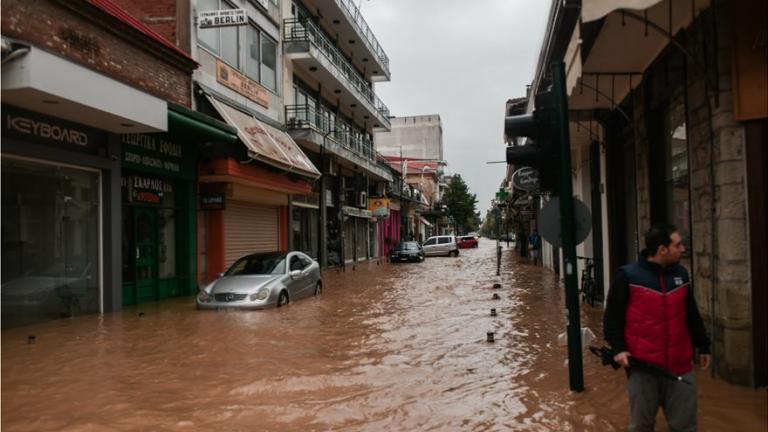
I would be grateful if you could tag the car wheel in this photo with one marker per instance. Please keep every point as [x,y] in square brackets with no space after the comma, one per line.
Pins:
[421,259]
[455,253]
[318,288]
[283,299]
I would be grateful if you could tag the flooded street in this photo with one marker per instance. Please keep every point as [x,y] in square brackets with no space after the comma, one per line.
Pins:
[384,348]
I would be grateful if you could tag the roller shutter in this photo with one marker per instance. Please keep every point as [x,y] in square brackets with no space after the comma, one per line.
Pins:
[250,228]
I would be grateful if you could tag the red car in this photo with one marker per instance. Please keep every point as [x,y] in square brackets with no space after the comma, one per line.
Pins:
[466,242]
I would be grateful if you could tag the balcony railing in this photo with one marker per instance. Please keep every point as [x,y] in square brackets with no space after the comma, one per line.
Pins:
[319,119]
[296,30]
[353,12]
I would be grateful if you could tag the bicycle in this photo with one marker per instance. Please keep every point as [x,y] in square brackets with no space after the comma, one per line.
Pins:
[588,290]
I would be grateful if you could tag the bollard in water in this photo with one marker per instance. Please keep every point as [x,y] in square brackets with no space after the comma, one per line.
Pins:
[141,314]
[496,296]
[489,337]
[493,312]
[31,339]
[496,285]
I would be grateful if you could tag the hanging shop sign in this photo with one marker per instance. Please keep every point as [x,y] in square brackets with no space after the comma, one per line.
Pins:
[146,189]
[31,126]
[356,212]
[526,179]
[379,207]
[240,83]
[157,155]
[212,201]
[222,18]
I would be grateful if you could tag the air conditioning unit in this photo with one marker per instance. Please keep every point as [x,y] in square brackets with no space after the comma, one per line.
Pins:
[330,167]
[363,202]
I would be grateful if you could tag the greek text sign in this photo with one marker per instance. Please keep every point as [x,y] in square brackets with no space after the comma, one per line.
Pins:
[222,18]
[154,153]
[240,83]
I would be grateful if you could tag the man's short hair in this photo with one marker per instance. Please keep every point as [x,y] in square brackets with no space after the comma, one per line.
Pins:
[658,235]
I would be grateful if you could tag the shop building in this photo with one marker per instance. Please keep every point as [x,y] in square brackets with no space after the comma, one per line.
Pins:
[331,60]
[69,91]
[669,125]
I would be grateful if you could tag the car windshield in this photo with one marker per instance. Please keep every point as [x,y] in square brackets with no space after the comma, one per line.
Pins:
[407,246]
[262,264]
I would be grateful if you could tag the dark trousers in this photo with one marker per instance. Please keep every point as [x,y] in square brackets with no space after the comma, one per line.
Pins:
[648,392]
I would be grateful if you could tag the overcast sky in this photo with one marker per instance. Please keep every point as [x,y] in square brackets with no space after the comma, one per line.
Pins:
[461,59]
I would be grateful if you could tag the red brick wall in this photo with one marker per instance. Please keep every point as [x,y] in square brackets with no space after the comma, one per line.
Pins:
[159,15]
[99,44]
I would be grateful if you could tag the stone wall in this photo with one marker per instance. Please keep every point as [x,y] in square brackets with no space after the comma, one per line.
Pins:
[717,164]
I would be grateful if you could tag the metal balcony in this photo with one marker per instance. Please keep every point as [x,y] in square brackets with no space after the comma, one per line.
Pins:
[353,14]
[306,44]
[311,127]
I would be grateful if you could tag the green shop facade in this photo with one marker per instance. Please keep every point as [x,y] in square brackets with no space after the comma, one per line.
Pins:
[159,206]
[158,217]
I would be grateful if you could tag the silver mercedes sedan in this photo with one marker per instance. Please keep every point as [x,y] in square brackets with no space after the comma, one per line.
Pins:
[263,280]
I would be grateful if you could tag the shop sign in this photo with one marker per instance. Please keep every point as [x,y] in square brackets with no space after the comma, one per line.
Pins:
[526,179]
[379,207]
[147,190]
[212,201]
[240,83]
[356,212]
[36,127]
[222,18]
[155,154]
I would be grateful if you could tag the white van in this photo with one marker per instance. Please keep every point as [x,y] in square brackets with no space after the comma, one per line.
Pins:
[441,245]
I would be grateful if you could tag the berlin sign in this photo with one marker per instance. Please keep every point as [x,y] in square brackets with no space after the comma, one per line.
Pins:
[526,179]
[222,18]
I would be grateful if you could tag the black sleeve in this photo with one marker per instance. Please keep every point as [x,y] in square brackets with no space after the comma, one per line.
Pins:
[615,313]
[696,328]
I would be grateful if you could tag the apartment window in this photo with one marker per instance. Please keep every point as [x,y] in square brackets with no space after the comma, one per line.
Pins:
[222,41]
[268,62]
[261,58]
[209,37]
[253,56]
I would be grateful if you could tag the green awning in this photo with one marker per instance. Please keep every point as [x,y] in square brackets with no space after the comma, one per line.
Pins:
[186,125]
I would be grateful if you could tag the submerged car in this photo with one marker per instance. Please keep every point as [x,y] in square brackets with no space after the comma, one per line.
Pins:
[407,251]
[467,241]
[263,280]
[441,245]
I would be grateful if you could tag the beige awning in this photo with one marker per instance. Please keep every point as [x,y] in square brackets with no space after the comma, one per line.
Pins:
[266,143]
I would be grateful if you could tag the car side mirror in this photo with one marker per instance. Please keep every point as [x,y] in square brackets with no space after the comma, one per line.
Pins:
[295,273]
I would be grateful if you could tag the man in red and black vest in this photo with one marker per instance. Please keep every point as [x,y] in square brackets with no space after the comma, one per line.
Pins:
[651,315]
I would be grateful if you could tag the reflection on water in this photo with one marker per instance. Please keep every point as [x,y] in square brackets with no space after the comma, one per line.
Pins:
[385,348]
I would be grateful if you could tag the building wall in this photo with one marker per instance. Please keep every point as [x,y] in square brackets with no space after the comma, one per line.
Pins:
[96,44]
[421,137]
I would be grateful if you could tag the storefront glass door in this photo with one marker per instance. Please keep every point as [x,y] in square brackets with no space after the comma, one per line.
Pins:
[50,242]
[145,225]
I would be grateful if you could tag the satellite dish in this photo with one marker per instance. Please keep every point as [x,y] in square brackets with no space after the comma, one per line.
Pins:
[549,222]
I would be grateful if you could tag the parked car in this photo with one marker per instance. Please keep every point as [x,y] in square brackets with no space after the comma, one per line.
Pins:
[468,241]
[406,251]
[441,245]
[263,280]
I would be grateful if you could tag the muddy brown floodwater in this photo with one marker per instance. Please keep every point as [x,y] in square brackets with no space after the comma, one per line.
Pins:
[385,348]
